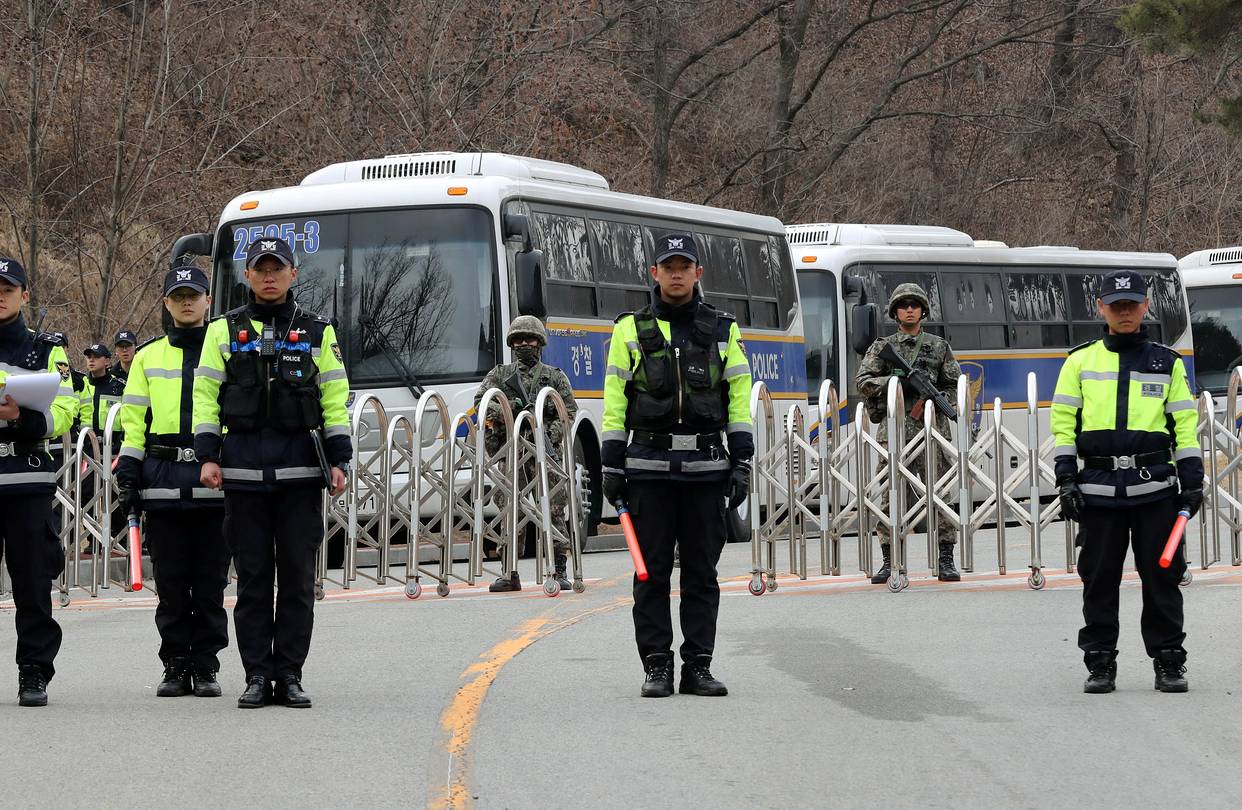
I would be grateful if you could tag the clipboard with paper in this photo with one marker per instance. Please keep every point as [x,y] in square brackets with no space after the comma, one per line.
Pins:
[33,391]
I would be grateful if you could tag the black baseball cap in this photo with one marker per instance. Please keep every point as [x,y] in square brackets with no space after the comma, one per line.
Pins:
[1123,285]
[186,275]
[269,246]
[97,349]
[124,336]
[11,271]
[676,244]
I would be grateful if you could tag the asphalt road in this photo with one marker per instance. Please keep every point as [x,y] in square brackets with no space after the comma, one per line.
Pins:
[841,694]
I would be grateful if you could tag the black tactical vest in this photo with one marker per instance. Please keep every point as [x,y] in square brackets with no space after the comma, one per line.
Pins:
[278,387]
[676,389]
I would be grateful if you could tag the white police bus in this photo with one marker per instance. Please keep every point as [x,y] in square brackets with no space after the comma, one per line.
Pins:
[1005,311]
[1214,288]
[423,259]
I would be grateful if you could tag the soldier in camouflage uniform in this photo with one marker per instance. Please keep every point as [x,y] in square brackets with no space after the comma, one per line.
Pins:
[908,306]
[521,381]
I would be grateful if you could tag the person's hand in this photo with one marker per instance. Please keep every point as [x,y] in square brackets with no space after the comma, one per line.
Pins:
[614,487]
[128,472]
[739,484]
[210,476]
[339,480]
[1191,500]
[1072,500]
[916,413]
[9,410]
[131,501]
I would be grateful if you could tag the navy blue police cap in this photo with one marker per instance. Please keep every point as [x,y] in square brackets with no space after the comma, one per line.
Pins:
[676,244]
[97,349]
[186,275]
[11,271]
[124,336]
[1123,285]
[269,246]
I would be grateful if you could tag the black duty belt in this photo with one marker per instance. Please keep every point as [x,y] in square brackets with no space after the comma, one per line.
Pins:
[1127,462]
[164,453]
[677,441]
[19,448]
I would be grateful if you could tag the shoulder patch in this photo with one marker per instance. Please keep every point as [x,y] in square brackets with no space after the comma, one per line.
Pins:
[622,317]
[149,341]
[336,351]
[1082,346]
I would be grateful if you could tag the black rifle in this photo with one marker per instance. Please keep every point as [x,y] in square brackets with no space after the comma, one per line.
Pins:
[919,381]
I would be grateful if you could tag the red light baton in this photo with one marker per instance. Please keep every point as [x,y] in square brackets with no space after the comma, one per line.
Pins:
[631,541]
[135,553]
[1175,539]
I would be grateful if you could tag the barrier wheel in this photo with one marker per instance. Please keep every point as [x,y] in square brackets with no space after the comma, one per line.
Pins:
[897,582]
[413,589]
[579,586]
[318,593]
[1036,580]
[442,589]
[772,583]
[756,587]
[551,587]
[64,600]
[1187,578]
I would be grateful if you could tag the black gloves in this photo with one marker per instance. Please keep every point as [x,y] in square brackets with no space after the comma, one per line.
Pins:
[1191,500]
[128,472]
[131,501]
[739,484]
[614,487]
[1072,501]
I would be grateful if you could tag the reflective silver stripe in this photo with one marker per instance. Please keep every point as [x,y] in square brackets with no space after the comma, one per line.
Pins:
[13,479]
[1065,450]
[632,344]
[1163,379]
[615,435]
[1187,452]
[134,399]
[332,374]
[1098,489]
[133,452]
[285,473]
[163,373]
[736,371]
[739,427]
[613,470]
[722,346]
[336,430]
[1180,405]
[224,347]
[203,492]
[1097,375]
[623,373]
[315,351]
[704,466]
[646,464]
[1067,400]
[66,391]
[1150,486]
[210,373]
[207,427]
[161,494]
[241,475]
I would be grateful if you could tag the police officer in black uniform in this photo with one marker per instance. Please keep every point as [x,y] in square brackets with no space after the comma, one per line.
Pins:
[124,345]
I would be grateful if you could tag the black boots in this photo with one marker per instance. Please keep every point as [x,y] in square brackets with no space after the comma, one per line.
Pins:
[659,681]
[289,693]
[257,695]
[696,678]
[176,681]
[1170,666]
[560,572]
[1102,667]
[881,576]
[506,584]
[205,683]
[32,685]
[948,571]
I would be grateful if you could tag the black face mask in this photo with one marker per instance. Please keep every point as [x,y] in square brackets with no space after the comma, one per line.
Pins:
[527,356]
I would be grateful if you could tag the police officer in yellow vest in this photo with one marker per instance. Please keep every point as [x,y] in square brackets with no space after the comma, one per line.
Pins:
[28,486]
[269,393]
[159,473]
[677,388]
[103,390]
[1123,405]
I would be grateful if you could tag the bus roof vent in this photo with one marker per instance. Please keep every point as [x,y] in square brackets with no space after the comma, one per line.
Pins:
[895,235]
[455,164]
[1226,256]
[401,166]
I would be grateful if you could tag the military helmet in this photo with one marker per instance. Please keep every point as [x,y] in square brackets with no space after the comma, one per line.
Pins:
[527,326]
[904,291]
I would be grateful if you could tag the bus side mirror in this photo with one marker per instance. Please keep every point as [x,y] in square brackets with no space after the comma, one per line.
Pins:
[528,282]
[517,226]
[191,244]
[864,326]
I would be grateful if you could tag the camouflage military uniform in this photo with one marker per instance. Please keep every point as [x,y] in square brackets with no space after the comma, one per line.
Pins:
[534,379]
[932,354]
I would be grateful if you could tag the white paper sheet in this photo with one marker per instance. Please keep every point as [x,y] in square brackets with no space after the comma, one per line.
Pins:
[34,391]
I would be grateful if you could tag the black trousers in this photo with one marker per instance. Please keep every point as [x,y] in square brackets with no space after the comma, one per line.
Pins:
[273,537]
[191,564]
[690,517]
[33,559]
[1104,535]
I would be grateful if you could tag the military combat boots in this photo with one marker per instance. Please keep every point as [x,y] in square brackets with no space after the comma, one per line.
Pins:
[32,685]
[1102,669]
[176,681]
[560,572]
[948,570]
[697,679]
[659,681]
[881,576]
[1170,666]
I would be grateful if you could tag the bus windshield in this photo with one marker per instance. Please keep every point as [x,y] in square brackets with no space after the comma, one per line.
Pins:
[413,286]
[819,320]
[1216,325]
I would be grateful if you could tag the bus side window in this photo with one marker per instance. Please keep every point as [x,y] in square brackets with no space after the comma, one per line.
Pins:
[567,263]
